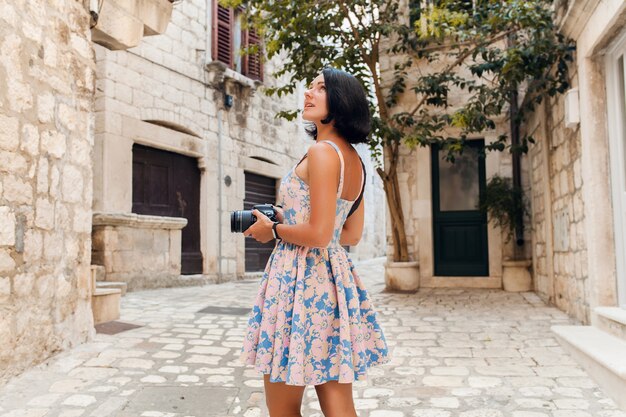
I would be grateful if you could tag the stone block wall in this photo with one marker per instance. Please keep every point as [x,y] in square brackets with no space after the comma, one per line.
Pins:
[46,139]
[143,251]
[558,216]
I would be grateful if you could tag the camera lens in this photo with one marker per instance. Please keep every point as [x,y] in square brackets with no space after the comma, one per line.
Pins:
[233,221]
[240,220]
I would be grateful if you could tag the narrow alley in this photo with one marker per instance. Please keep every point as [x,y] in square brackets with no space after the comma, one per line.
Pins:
[465,353]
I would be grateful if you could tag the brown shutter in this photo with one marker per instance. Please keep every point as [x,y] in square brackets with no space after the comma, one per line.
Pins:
[223,21]
[253,66]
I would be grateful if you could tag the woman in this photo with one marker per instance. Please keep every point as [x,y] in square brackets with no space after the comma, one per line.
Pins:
[313,322]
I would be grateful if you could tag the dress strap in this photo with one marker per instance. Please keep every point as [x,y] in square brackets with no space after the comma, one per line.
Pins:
[340,188]
[362,174]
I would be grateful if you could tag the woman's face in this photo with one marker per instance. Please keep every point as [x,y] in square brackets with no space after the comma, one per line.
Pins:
[315,101]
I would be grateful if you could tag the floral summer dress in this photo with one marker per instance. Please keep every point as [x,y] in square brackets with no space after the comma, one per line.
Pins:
[312,320]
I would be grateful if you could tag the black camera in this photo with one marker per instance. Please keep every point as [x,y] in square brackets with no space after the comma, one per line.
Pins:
[240,220]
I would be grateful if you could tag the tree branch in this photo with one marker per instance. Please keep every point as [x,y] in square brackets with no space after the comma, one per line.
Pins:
[467,43]
[355,32]
[462,57]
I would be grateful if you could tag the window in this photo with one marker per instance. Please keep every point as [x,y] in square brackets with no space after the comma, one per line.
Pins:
[229,38]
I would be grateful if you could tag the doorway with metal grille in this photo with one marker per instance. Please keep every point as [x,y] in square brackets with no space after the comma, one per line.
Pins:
[259,190]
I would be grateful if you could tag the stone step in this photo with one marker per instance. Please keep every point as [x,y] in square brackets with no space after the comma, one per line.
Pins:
[122,286]
[105,304]
[601,354]
[611,320]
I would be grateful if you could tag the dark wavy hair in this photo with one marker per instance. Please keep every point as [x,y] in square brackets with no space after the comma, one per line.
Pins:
[347,107]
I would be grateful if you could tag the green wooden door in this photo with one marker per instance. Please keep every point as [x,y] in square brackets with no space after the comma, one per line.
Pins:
[459,228]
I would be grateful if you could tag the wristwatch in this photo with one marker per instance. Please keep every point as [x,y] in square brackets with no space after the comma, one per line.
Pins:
[275,232]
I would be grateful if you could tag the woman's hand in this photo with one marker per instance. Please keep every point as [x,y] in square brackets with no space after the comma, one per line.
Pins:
[280,214]
[261,230]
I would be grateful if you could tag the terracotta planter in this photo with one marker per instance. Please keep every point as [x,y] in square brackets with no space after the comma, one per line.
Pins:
[402,276]
[516,276]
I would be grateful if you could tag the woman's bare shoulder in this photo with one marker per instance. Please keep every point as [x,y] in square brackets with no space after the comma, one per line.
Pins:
[321,150]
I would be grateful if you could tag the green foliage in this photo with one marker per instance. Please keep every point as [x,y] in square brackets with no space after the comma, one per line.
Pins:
[485,51]
[503,203]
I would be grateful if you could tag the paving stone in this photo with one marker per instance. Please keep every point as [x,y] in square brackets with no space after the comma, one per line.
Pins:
[387,413]
[109,407]
[44,400]
[445,402]
[173,369]
[431,412]
[197,401]
[450,370]
[80,400]
[529,414]
[33,412]
[571,404]
[484,382]
[455,353]
[71,413]
[536,391]
[570,413]
[487,412]
[136,363]
[153,379]
[377,392]
[443,381]
[365,404]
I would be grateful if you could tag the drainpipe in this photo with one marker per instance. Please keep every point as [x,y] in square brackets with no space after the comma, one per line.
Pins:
[208,58]
[220,175]
[517,172]
[208,52]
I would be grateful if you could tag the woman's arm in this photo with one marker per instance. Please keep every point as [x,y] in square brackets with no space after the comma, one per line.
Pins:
[323,171]
[353,227]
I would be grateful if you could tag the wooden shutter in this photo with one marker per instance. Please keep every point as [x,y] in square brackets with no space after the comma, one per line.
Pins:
[223,21]
[254,68]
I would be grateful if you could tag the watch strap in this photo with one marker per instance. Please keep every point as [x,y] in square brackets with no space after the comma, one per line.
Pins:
[275,232]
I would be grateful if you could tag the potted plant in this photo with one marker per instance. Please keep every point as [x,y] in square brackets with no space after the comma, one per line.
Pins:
[505,205]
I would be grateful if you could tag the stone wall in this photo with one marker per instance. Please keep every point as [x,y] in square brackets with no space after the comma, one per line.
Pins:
[143,251]
[572,206]
[46,139]
[557,210]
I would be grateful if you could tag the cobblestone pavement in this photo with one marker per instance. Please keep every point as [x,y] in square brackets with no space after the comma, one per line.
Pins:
[466,353]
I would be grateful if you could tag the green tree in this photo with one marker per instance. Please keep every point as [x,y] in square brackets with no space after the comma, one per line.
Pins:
[488,50]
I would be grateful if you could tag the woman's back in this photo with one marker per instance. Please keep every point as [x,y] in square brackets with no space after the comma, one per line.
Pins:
[294,193]
[353,174]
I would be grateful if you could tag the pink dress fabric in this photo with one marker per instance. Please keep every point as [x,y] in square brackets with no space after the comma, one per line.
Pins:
[312,320]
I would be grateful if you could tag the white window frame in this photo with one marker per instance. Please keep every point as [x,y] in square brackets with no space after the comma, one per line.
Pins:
[616,110]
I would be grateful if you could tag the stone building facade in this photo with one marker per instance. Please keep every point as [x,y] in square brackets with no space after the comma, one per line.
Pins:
[577,193]
[575,228]
[46,102]
[574,179]
[171,94]
[47,73]
[452,243]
